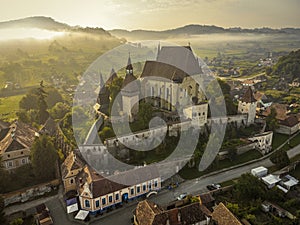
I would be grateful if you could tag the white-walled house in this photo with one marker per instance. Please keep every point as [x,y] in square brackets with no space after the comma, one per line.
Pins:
[98,193]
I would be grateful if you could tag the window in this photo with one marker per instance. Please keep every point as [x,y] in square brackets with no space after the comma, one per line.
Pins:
[138,189]
[87,203]
[132,191]
[155,183]
[144,187]
[8,156]
[23,161]
[149,186]
[110,199]
[97,203]
[71,181]
[103,201]
[9,164]
[22,153]
[117,197]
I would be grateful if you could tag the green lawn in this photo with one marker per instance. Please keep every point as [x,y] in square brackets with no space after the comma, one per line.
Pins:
[9,106]
[278,139]
[191,173]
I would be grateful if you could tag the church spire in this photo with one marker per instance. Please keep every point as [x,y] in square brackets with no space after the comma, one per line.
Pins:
[129,68]
[158,50]
[101,82]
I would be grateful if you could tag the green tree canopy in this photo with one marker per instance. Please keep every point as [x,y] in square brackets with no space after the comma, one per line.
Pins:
[248,188]
[43,158]
[272,123]
[59,110]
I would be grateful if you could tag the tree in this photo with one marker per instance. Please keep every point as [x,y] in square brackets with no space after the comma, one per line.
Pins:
[29,101]
[248,188]
[59,110]
[145,114]
[106,132]
[18,221]
[280,158]
[52,97]
[43,158]
[272,123]
[42,105]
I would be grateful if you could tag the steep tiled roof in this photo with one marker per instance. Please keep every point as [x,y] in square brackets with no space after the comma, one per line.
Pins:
[223,216]
[206,198]
[181,58]
[290,121]
[159,69]
[148,213]
[72,162]
[281,111]
[248,97]
[18,137]
[3,133]
[130,83]
[113,75]
[100,185]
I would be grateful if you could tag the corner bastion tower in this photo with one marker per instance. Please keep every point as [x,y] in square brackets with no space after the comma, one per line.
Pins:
[247,105]
[130,93]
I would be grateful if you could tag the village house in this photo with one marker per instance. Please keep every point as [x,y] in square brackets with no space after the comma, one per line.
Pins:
[98,193]
[222,216]
[289,125]
[15,143]
[72,165]
[185,212]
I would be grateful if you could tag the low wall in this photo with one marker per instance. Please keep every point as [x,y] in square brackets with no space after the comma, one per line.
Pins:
[24,195]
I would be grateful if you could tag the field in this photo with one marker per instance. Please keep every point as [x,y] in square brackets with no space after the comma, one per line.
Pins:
[9,106]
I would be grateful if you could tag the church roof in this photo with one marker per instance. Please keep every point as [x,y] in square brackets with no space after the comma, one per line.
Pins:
[129,65]
[130,83]
[159,69]
[248,97]
[113,75]
[180,57]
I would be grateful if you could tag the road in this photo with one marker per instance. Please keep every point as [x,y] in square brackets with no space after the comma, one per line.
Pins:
[195,186]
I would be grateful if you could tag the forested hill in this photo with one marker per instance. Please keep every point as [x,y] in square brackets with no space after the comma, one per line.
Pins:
[197,29]
[288,66]
[48,23]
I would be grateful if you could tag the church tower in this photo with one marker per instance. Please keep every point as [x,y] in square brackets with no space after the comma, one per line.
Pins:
[130,93]
[247,105]
[103,96]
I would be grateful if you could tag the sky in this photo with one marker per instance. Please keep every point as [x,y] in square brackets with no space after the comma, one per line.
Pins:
[158,14]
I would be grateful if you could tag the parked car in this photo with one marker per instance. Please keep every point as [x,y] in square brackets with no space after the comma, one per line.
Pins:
[213,187]
[182,196]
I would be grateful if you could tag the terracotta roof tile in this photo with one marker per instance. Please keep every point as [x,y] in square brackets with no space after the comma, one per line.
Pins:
[248,97]
[223,216]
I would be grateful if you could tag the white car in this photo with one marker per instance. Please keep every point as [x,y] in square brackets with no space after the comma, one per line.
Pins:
[182,196]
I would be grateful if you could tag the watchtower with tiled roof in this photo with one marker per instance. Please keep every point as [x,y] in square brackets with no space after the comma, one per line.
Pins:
[247,105]
[130,92]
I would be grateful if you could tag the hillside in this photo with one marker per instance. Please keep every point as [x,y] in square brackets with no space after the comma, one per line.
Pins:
[288,66]
[48,23]
[195,29]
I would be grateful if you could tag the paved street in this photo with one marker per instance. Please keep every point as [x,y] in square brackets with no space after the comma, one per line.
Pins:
[123,215]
